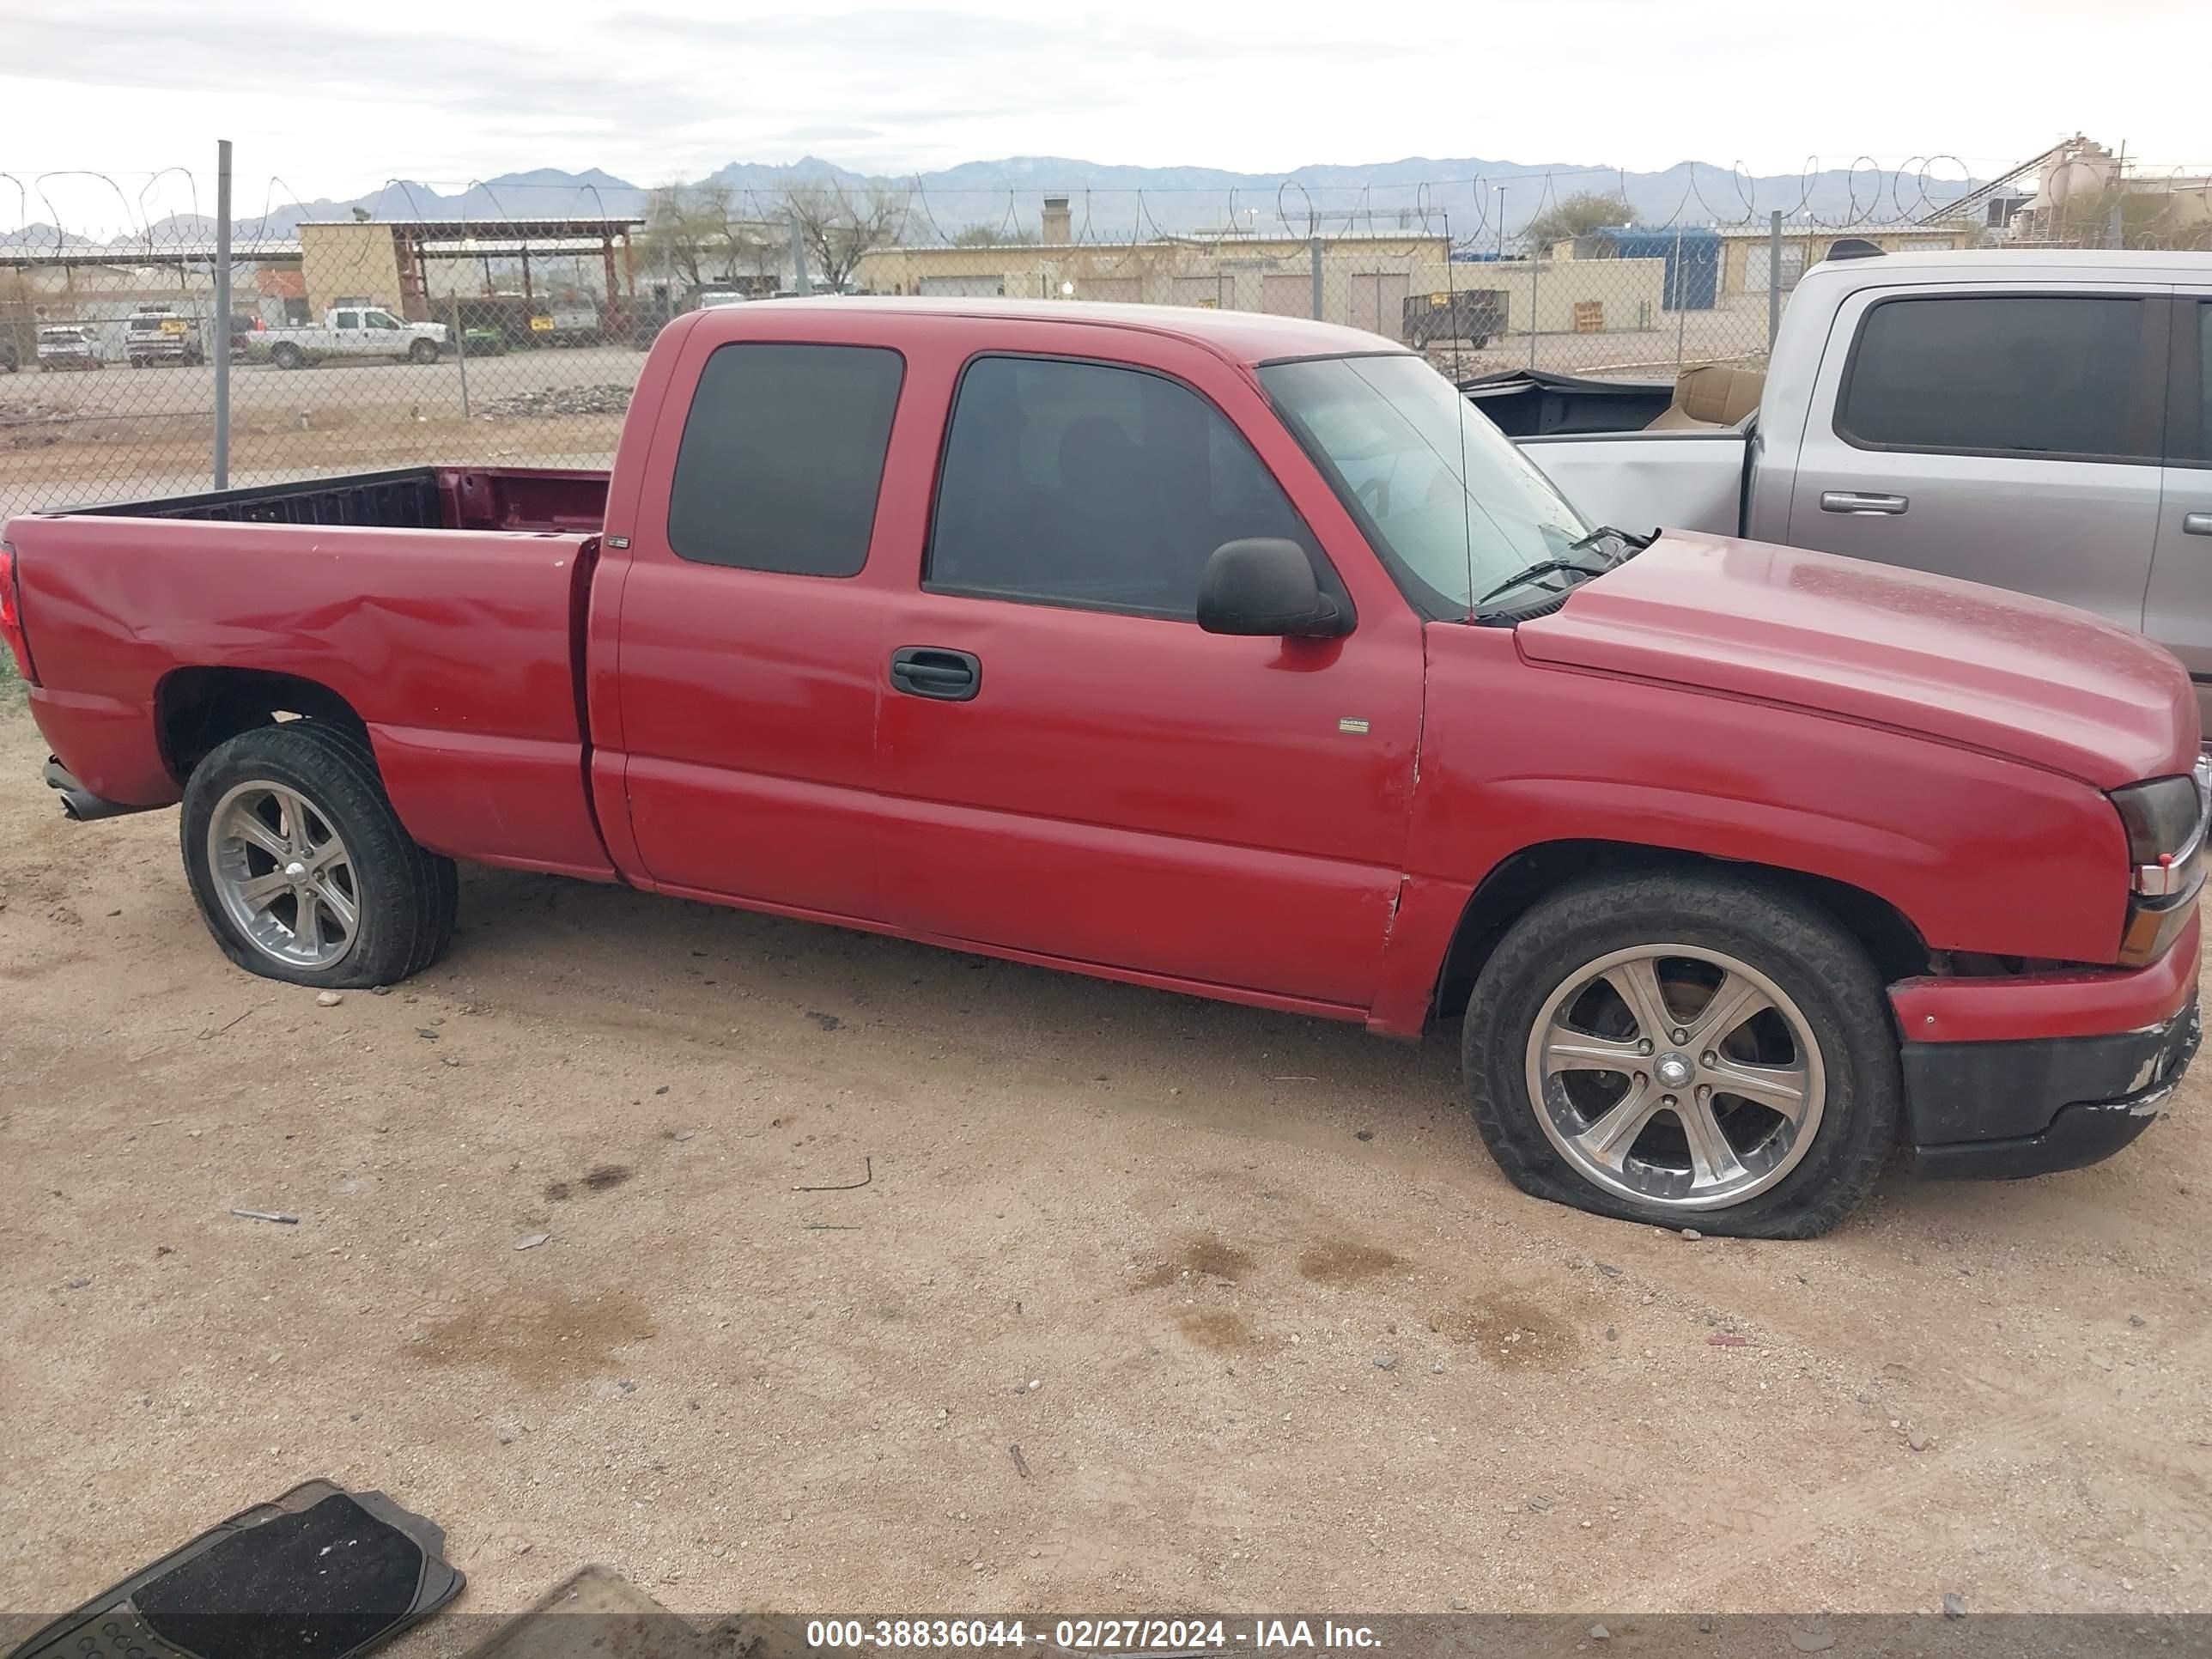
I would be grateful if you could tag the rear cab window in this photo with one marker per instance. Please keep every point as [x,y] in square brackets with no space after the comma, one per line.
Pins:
[2043,376]
[782,457]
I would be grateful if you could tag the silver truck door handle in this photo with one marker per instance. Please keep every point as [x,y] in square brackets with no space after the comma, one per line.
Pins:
[2196,524]
[1851,501]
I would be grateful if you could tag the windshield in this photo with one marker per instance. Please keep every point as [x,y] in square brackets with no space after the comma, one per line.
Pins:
[1453,507]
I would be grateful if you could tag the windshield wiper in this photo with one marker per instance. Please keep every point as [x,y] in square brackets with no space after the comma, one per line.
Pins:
[1631,544]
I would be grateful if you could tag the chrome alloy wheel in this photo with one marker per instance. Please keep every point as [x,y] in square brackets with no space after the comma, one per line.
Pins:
[283,876]
[1675,1075]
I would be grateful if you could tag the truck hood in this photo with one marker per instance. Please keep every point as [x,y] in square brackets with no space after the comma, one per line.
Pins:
[1954,661]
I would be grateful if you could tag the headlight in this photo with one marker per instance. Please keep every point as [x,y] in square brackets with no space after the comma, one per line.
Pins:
[2165,822]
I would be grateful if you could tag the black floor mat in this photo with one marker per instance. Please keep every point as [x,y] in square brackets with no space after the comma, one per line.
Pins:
[318,1574]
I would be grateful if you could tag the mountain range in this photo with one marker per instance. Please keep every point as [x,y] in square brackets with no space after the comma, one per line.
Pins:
[1113,202]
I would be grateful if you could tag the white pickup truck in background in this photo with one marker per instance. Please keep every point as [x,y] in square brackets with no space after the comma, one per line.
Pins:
[351,331]
[2040,420]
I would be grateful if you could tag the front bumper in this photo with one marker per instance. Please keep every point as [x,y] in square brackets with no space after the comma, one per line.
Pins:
[2022,1076]
[1999,1111]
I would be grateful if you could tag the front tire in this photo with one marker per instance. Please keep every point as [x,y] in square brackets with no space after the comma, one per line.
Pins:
[423,351]
[1690,1050]
[285,355]
[302,869]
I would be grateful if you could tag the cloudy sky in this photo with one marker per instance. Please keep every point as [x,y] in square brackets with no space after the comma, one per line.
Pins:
[335,100]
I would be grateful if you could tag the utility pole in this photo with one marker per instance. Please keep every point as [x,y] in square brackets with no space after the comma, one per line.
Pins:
[800,282]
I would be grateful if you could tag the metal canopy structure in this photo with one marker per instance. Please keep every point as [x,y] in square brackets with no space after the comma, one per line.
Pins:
[418,241]
[174,255]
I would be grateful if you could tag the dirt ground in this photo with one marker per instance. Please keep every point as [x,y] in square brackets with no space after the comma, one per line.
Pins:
[1267,1329]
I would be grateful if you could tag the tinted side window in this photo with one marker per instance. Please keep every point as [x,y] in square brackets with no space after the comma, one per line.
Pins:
[1098,487]
[2031,374]
[782,457]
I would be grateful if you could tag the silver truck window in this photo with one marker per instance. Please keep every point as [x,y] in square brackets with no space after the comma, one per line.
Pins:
[1449,503]
[2053,376]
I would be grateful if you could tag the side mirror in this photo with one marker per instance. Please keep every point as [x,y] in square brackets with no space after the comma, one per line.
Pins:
[1265,585]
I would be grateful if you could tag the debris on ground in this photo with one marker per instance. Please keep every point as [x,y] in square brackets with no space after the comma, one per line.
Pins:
[531,1240]
[276,1216]
[554,401]
[1954,1605]
[328,999]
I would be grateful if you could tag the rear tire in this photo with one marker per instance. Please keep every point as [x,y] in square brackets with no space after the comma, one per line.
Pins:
[1660,1137]
[289,841]
[285,355]
[422,352]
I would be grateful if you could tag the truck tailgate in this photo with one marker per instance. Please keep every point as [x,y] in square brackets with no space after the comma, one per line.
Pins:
[456,648]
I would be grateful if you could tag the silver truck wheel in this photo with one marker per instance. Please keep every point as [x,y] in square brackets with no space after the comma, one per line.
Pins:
[302,867]
[283,876]
[1675,1075]
[1685,1046]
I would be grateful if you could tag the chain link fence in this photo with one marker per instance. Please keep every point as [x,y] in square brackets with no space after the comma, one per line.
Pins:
[508,326]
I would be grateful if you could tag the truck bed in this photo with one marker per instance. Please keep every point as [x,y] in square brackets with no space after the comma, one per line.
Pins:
[440,607]
[405,498]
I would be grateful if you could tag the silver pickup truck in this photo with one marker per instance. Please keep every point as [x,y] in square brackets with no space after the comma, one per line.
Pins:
[2039,420]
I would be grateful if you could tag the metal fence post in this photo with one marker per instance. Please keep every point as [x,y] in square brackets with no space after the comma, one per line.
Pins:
[1314,248]
[1534,262]
[461,354]
[1773,278]
[221,345]
[1673,280]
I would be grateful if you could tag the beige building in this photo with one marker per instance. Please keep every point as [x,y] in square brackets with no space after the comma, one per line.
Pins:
[1365,282]
[1747,254]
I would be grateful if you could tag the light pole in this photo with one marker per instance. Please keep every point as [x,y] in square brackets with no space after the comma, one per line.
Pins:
[1501,224]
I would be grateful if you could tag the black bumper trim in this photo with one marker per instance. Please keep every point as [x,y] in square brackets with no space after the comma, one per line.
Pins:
[2004,1111]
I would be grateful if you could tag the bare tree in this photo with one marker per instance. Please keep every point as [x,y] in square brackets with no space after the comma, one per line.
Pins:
[693,231]
[837,227]
[1577,215]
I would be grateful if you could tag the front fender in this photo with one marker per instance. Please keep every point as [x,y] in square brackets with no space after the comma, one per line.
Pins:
[1977,852]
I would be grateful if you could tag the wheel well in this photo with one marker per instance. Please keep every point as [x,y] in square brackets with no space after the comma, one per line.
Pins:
[1508,891]
[198,708]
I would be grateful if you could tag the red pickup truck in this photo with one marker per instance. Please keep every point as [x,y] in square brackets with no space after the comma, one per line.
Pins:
[1231,655]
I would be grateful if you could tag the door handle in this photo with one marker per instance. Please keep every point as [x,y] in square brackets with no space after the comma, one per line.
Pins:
[1853,500]
[2196,524]
[929,670]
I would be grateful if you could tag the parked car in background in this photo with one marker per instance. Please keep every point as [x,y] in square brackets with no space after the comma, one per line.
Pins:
[155,334]
[2040,420]
[244,325]
[1220,652]
[567,325]
[68,346]
[352,331]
